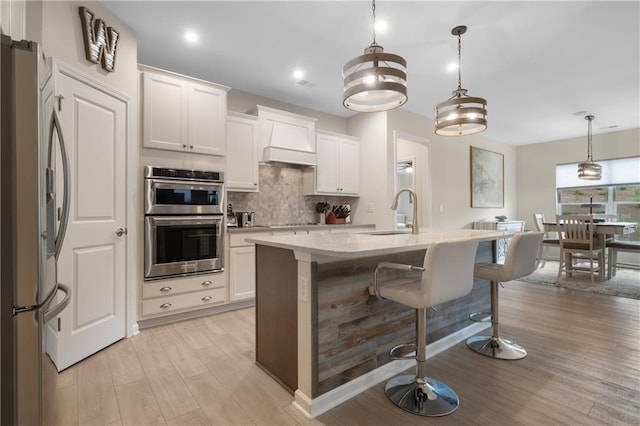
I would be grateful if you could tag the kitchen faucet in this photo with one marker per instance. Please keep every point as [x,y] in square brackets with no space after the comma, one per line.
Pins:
[413,198]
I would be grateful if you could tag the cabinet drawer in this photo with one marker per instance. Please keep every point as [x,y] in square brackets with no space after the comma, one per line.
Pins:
[182,285]
[238,239]
[195,300]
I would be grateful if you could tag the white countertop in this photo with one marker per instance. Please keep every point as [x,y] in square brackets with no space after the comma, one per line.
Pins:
[343,246]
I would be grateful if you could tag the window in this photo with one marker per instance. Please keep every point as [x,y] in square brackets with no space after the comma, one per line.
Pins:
[617,195]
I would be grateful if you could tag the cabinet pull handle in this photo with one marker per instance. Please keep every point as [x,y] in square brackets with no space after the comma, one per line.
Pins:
[207,298]
[206,283]
[165,289]
[166,305]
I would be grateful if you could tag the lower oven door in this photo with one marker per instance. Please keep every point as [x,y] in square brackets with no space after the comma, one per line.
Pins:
[182,245]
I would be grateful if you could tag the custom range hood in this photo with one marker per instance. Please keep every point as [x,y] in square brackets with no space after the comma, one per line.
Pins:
[286,137]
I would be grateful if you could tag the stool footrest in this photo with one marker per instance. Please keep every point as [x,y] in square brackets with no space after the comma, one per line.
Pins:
[403,351]
[484,316]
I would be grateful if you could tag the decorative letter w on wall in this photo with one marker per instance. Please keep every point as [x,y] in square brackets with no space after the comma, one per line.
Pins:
[99,40]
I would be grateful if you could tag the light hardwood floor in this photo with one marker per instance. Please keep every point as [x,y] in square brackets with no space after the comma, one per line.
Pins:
[583,368]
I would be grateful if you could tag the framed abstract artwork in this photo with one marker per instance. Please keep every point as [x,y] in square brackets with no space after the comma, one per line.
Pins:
[487,178]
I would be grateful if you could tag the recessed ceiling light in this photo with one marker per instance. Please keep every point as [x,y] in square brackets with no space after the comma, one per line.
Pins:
[191,37]
[298,74]
[452,66]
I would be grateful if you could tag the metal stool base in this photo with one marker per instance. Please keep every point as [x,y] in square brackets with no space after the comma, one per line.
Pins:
[496,347]
[431,399]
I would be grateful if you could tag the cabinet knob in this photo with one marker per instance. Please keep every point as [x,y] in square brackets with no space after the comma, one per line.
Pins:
[184,146]
[190,146]
[207,298]
[206,283]
[165,289]
[166,305]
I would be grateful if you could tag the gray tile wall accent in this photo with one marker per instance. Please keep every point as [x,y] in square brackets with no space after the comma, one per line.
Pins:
[281,200]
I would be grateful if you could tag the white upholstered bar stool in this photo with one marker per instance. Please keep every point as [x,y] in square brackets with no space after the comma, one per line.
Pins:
[447,275]
[520,262]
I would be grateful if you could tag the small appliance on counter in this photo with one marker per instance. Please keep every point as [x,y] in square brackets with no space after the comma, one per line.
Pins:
[245,219]
[232,221]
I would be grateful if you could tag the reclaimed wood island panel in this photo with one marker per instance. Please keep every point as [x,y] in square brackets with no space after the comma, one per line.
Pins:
[318,331]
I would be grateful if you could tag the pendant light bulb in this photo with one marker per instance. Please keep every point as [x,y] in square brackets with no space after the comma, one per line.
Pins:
[461,115]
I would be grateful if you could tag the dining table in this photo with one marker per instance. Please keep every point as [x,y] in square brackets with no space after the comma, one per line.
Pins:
[602,230]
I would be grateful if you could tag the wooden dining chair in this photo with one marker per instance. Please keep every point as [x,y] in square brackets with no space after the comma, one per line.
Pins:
[577,241]
[547,241]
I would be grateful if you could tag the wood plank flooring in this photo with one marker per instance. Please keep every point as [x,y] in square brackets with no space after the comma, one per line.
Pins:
[582,368]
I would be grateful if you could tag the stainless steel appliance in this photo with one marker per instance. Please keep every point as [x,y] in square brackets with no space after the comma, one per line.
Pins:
[245,219]
[184,222]
[179,191]
[30,242]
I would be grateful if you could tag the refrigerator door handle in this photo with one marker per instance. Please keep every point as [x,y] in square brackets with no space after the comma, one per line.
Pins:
[55,124]
[53,312]
[20,309]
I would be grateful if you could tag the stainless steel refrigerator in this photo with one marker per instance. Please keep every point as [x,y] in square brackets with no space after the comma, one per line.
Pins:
[33,221]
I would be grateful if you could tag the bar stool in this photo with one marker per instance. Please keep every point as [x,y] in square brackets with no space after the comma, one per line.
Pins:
[447,274]
[520,262]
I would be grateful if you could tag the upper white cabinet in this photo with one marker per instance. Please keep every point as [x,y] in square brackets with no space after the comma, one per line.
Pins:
[182,113]
[242,152]
[337,171]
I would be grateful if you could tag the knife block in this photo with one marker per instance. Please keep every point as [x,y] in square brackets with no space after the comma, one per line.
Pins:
[333,220]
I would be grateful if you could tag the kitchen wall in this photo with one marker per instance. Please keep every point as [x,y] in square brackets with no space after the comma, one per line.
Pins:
[449,170]
[536,172]
[281,199]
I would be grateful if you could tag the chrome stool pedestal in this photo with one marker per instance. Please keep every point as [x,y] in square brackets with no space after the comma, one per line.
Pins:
[417,393]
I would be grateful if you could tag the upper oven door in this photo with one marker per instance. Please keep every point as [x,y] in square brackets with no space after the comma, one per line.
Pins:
[183,197]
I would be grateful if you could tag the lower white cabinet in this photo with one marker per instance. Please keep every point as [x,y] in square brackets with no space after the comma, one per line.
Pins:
[242,273]
[242,265]
[183,294]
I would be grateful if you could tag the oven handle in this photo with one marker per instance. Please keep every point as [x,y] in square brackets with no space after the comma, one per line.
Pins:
[159,183]
[189,220]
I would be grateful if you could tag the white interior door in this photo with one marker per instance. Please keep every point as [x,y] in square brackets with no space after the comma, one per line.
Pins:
[92,260]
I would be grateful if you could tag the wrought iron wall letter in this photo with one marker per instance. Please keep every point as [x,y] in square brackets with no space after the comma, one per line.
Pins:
[99,40]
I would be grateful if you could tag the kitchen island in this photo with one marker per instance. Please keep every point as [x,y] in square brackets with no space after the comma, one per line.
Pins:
[320,333]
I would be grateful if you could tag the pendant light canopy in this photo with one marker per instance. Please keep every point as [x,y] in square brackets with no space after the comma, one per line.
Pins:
[375,81]
[589,170]
[461,114]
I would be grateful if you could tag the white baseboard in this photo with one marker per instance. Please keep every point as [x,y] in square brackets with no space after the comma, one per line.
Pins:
[312,408]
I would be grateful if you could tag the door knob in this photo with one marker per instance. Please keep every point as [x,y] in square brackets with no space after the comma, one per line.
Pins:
[121,231]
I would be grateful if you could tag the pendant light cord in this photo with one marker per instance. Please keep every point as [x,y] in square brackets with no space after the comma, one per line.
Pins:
[459,62]
[373,17]
[589,152]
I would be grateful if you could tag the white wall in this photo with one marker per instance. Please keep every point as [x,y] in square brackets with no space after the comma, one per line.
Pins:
[449,170]
[376,169]
[536,171]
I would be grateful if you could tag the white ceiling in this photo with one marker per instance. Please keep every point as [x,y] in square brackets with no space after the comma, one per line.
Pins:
[536,63]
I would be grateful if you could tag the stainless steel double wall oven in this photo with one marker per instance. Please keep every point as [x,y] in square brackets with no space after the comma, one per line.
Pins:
[184,222]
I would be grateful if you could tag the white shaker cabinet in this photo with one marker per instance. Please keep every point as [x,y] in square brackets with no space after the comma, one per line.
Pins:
[337,171]
[242,152]
[183,114]
[242,265]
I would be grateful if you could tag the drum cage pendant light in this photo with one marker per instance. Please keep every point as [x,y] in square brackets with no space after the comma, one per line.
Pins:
[461,114]
[589,170]
[375,81]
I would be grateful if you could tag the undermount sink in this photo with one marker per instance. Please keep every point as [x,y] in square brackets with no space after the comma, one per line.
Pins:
[389,232]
